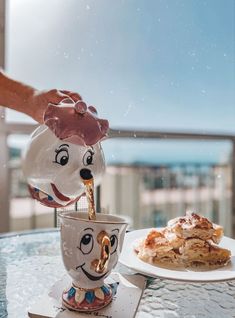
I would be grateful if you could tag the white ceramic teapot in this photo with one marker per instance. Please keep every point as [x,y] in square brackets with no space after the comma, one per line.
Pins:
[63,152]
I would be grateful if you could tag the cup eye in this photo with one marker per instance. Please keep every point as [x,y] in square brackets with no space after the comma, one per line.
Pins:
[86,243]
[113,243]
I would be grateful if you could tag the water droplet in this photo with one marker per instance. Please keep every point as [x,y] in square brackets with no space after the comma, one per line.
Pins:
[192,53]
[66,55]
[128,110]
[88,7]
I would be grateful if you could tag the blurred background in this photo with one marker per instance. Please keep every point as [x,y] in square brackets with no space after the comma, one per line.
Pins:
[161,71]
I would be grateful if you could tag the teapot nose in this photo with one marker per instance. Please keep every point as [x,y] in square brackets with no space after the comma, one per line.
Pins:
[86,174]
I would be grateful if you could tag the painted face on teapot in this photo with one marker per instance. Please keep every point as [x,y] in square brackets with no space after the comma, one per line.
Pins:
[54,168]
[60,155]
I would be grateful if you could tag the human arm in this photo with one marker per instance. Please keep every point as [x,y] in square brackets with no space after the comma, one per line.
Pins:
[28,100]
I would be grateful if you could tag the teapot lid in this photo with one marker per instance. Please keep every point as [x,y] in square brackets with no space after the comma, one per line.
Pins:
[76,123]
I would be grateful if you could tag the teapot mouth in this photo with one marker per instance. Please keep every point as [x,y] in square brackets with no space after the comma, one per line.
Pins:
[48,200]
[58,194]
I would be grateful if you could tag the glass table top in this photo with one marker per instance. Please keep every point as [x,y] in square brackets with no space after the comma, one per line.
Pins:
[31,262]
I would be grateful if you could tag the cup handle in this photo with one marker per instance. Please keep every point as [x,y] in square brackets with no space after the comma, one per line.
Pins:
[102,264]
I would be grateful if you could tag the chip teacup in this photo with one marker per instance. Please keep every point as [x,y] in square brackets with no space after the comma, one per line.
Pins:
[90,250]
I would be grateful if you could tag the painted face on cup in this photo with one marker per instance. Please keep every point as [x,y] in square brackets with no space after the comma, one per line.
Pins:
[82,248]
[55,168]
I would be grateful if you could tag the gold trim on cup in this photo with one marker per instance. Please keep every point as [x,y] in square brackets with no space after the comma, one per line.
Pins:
[65,214]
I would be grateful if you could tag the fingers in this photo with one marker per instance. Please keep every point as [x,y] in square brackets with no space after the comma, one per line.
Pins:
[55,96]
[75,96]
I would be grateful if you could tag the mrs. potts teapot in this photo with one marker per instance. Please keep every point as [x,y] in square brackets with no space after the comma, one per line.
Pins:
[63,152]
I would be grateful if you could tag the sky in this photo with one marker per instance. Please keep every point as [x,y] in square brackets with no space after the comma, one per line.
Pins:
[163,65]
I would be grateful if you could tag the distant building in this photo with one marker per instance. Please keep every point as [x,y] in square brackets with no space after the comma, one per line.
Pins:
[150,196]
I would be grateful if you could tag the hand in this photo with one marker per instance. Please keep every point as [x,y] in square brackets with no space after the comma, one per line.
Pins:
[40,100]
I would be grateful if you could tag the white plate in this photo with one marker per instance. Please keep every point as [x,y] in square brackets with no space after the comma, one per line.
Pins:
[129,258]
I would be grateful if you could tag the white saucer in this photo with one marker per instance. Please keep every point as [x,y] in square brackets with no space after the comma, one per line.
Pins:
[129,258]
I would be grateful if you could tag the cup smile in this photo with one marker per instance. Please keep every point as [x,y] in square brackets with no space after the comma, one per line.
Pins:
[88,275]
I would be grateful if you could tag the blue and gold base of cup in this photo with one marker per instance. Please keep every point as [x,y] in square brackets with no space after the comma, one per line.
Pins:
[86,300]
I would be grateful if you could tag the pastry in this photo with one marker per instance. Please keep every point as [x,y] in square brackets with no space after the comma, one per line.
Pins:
[194,225]
[188,241]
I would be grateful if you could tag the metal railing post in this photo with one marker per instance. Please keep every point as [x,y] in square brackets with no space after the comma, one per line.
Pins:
[233,188]
[2,33]
[4,156]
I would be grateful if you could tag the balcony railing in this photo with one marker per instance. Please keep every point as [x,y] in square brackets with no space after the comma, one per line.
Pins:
[173,185]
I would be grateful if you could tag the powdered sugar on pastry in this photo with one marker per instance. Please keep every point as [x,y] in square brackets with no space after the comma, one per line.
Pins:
[194,225]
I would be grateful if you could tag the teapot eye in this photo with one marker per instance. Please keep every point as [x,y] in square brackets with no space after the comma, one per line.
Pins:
[88,158]
[62,156]
[86,243]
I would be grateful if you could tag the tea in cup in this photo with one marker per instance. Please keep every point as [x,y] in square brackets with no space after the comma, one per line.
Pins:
[90,250]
